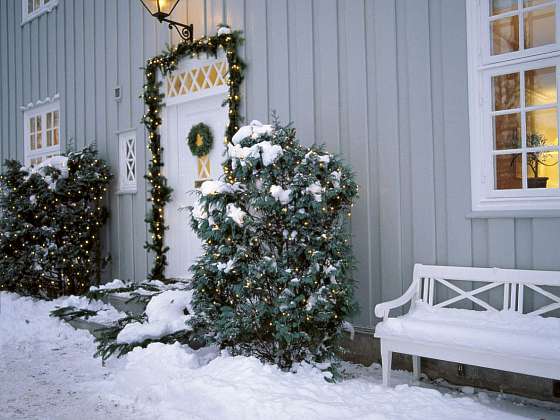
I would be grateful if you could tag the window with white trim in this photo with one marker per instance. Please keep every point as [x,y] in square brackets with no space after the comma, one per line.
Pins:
[127,162]
[34,8]
[514,77]
[41,133]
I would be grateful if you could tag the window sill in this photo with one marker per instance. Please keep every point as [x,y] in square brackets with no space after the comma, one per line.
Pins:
[45,9]
[127,191]
[513,214]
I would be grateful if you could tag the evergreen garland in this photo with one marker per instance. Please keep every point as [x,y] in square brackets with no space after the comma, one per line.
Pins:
[200,140]
[50,224]
[160,192]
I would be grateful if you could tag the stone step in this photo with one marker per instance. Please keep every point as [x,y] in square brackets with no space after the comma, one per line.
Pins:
[121,303]
[84,324]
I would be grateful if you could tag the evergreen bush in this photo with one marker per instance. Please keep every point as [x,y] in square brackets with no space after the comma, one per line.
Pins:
[51,216]
[274,279]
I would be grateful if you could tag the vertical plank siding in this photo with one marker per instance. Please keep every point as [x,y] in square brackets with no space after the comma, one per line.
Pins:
[82,50]
[382,82]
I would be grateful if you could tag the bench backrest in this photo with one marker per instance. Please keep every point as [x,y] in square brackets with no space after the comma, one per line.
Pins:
[513,286]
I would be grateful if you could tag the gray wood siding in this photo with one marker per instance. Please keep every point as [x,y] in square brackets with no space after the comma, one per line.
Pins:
[382,82]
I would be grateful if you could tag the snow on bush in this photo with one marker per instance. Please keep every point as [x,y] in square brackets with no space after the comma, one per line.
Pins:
[167,313]
[269,234]
[280,194]
[253,130]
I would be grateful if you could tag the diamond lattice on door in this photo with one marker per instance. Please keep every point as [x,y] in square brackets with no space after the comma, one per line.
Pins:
[203,163]
[196,79]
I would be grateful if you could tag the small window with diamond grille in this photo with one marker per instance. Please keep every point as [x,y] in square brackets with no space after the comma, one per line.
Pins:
[127,162]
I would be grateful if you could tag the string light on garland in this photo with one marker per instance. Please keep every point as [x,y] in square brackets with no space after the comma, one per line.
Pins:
[166,63]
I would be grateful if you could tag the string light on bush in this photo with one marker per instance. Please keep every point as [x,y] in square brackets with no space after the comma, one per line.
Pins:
[55,222]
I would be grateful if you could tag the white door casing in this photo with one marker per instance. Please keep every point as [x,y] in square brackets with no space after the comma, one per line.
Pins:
[181,167]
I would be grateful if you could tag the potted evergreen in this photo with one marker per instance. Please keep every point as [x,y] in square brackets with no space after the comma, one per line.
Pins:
[535,159]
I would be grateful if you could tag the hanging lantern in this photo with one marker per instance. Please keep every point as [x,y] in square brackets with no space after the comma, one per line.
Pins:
[161,9]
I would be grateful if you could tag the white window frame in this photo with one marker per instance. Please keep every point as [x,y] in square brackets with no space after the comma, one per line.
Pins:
[481,67]
[45,152]
[128,162]
[44,7]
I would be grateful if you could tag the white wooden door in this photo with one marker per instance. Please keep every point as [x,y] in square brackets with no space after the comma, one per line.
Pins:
[181,170]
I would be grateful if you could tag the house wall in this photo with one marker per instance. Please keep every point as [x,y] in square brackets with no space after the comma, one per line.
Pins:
[382,82]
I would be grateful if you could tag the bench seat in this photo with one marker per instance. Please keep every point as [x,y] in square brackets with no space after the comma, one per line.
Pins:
[502,332]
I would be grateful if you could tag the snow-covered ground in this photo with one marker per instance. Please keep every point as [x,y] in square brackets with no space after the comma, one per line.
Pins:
[46,367]
[47,372]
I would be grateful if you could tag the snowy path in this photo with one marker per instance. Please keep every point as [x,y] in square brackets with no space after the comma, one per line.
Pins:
[47,372]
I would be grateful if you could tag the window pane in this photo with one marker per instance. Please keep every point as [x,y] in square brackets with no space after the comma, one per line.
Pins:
[540,28]
[502,6]
[49,138]
[38,138]
[32,124]
[55,136]
[29,6]
[508,171]
[36,4]
[542,170]
[32,141]
[507,131]
[529,3]
[505,35]
[49,120]
[506,91]
[541,128]
[55,122]
[540,86]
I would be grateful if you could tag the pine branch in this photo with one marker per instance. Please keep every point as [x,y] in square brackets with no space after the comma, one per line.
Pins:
[69,313]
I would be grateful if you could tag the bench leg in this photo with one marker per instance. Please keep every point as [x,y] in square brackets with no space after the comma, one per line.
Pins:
[386,359]
[416,367]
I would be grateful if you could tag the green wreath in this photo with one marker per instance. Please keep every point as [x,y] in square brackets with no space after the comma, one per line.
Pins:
[200,139]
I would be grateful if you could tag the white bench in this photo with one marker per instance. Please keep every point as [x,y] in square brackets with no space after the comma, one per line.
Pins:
[500,336]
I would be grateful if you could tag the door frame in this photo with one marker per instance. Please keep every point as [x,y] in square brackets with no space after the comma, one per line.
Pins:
[157,67]
[203,105]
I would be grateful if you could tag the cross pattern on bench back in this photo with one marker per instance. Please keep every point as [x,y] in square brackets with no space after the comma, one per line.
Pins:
[514,284]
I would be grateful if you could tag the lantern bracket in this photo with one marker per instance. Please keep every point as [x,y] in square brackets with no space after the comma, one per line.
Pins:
[184,31]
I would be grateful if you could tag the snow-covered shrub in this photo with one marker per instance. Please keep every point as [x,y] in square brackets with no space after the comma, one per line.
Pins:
[51,218]
[274,277]
[165,319]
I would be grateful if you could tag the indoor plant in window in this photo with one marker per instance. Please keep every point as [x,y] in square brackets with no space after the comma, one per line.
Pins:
[535,159]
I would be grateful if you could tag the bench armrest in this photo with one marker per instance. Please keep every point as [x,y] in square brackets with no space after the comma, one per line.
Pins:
[382,309]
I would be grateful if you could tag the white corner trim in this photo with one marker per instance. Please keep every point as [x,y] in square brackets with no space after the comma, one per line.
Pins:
[40,102]
[28,17]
